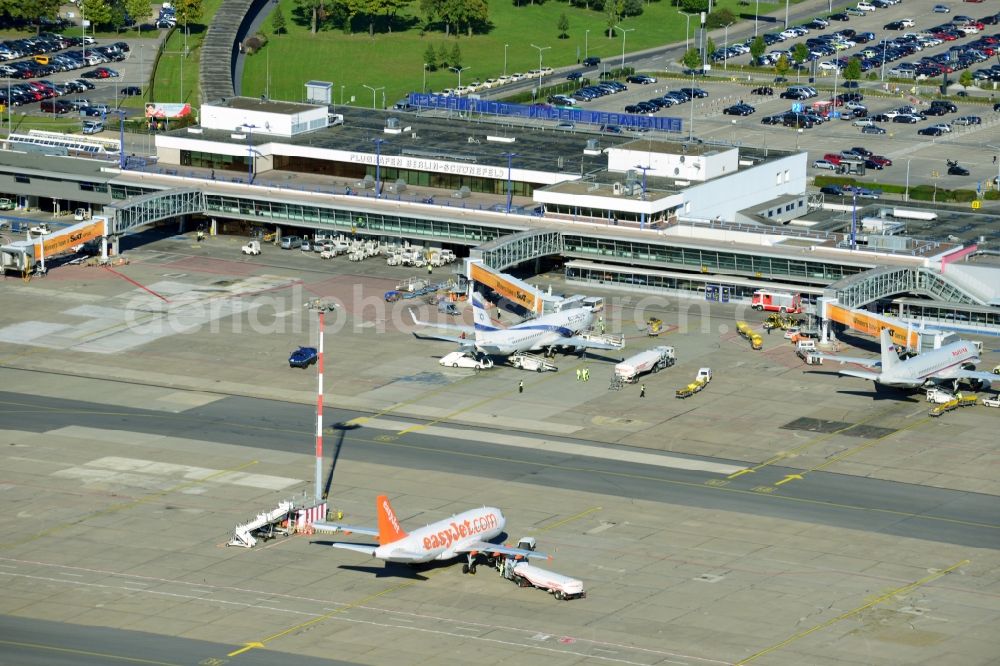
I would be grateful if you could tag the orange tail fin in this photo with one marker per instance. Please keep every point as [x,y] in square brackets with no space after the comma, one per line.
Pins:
[388,525]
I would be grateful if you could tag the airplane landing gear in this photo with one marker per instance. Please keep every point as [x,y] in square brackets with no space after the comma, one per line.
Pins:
[470,566]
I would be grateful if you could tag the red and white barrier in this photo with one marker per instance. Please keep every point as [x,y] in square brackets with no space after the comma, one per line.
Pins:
[306,516]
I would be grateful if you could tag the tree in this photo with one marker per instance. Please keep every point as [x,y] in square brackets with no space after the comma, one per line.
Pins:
[853,70]
[563,26]
[800,53]
[455,59]
[782,66]
[692,59]
[460,13]
[694,6]
[612,14]
[278,25]
[98,12]
[965,78]
[430,58]
[31,10]
[757,48]
[139,11]
[631,7]
[710,46]
[444,59]
[720,19]
[188,11]
[371,9]
[316,11]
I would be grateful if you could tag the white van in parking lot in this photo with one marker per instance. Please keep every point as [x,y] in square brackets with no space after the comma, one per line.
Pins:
[290,242]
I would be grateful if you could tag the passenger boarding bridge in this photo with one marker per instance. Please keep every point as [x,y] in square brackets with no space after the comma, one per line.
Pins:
[722,261]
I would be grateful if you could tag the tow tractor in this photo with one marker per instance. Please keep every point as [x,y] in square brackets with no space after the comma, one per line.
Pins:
[698,385]
[251,248]
[654,326]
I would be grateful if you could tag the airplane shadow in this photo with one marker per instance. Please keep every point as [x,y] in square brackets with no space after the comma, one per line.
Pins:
[884,393]
[398,569]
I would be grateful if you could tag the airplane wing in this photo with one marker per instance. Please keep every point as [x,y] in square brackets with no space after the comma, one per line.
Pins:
[346,529]
[487,547]
[467,344]
[864,362]
[860,374]
[580,343]
[987,378]
[365,548]
[469,331]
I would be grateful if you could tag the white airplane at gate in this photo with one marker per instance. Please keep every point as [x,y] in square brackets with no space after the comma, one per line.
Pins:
[559,329]
[467,533]
[952,362]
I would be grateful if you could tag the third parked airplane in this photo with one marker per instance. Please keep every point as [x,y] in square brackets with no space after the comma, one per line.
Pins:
[949,363]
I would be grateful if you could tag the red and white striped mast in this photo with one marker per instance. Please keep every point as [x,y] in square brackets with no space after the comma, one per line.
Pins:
[319,412]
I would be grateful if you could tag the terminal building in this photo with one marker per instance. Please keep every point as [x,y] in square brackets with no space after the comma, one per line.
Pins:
[643,211]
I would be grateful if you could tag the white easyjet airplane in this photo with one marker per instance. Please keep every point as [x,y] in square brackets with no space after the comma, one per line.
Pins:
[466,533]
[559,329]
[951,362]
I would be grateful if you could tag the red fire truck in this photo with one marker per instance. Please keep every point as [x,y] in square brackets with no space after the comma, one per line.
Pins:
[776,301]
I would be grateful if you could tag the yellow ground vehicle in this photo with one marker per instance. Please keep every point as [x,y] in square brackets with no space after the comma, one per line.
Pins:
[654,326]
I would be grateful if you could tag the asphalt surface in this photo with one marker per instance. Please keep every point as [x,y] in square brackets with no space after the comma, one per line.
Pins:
[31,642]
[873,505]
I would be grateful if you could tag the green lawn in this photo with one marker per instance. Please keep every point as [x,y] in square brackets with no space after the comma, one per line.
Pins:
[395,60]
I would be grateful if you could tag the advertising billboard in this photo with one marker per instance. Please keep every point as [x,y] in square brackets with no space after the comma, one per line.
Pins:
[167,111]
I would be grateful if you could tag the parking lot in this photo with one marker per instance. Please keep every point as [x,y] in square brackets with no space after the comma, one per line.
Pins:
[57,75]
[917,159]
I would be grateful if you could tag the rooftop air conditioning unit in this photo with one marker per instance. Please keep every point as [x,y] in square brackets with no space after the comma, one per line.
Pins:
[617,189]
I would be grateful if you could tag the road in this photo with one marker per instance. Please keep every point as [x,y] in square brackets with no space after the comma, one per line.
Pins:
[34,642]
[816,497]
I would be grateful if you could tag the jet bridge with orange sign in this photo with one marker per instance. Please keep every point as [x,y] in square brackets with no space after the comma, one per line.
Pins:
[869,323]
[24,256]
[509,287]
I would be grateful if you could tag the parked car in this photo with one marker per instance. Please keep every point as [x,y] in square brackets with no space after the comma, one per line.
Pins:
[740,109]
[290,242]
[459,359]
[941,9]
[762,90]
[130,91]
[824,164]
[968,120]
[642,79]
[303,357]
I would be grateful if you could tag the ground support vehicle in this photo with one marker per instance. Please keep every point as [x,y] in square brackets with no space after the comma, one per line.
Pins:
[958,401]
[784,322]
[651,360]
[525,361]
[807,351]
[698,385]
[992,402]
[756,342]
[251,248]
[654,326]
[617,341]
[776,301]
[528,575]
